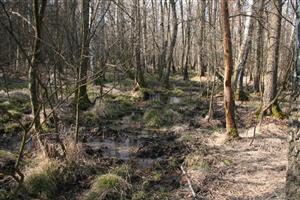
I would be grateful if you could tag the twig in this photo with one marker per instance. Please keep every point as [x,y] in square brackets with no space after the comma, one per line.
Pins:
[189,182]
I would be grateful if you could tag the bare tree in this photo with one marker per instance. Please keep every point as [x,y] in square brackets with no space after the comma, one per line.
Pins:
[270,79]
[228,65]
[38,13]
[172,43]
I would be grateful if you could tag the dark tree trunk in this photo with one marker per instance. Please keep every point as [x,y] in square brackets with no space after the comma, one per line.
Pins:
[38,13]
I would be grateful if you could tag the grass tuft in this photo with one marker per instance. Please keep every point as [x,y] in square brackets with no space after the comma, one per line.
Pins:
[108,187]
[42,181]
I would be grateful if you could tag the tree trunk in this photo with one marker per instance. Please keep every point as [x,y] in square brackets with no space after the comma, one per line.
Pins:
[270,80]
[259,49]
[172,43]
[162,56]
[84,56]
[138,36]
[243,55]
[188,35]
[201,38]
[297,49]
[228,65]
[38,13]
[182,34]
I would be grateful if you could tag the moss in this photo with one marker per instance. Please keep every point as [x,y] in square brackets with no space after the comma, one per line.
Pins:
[42,181]
[277,112]
[233,133]
[109,187]
[17,106]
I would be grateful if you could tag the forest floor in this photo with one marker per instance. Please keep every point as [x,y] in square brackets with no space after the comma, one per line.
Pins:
[255,172]
[162,145]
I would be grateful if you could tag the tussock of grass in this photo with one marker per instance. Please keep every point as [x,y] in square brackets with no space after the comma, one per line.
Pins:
[123,171]
[42,181]
[108,187]
[158,117]
[110,108]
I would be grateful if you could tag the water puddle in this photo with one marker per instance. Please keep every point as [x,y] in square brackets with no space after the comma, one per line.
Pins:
[165,99]
[175,100]
[139,149]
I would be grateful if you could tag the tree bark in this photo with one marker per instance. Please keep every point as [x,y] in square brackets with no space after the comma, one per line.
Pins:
[259,49]
[172,43]
[270,80]
[38,13]
[297,48]
[228,65]
[138,36]
[188,48]
[243,55]
[201,38]
[84,55]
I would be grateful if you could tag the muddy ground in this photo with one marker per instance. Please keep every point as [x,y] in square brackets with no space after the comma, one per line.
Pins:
[169,147]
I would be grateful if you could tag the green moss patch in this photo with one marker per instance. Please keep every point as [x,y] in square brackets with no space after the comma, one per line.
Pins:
[277,112]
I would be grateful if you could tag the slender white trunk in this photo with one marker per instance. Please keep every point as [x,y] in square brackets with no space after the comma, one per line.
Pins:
[245,48]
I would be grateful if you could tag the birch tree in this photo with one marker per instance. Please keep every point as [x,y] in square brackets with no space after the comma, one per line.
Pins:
[243,54]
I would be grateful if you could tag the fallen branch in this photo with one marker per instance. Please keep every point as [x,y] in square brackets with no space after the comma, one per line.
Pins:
[189,181]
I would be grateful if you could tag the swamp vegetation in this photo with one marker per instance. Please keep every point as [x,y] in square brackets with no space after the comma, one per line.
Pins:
[149,100]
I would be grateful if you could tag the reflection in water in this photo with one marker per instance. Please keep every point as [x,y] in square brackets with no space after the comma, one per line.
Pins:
[165,98]
[124,148]
[175,100]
